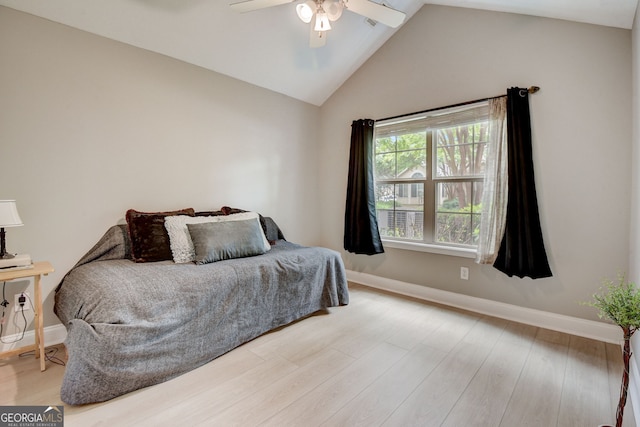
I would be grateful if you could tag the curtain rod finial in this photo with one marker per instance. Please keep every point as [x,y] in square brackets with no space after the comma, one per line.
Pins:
[534,89]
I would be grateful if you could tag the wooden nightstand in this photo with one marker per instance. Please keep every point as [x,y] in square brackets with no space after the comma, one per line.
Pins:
[39,269]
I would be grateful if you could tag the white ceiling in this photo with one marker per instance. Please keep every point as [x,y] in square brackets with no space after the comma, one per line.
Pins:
[269,48]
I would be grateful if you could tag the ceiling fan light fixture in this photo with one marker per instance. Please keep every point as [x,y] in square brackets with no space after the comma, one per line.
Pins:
[318,13]
[306,10]
[322,21]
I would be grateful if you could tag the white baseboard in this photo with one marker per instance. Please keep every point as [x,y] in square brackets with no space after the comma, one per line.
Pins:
[572,325]
[52,335]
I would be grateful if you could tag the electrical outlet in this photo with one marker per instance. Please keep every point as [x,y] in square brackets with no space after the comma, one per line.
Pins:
[464,273]
[27,304]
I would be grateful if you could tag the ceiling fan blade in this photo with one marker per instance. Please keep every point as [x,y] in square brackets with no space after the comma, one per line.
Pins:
[379,13]
[251,5]
[317,38]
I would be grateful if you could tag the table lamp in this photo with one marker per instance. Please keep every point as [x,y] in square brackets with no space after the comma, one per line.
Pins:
[8,218]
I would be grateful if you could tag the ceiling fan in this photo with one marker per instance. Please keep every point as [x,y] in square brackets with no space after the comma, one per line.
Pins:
[320,13]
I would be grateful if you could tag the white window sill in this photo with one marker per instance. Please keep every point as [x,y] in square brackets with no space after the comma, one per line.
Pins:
[434,249]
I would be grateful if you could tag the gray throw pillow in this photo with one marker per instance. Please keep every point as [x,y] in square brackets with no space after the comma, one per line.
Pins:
[215,241]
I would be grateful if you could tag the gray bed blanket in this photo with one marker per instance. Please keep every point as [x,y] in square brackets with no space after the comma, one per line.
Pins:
[131,325]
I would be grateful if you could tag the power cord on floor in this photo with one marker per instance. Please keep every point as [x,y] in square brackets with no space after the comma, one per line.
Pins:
[49,355]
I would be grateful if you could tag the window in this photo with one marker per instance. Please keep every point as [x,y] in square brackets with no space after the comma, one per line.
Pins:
[429,176]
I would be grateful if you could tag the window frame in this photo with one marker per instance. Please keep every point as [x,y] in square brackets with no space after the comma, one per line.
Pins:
[459,115]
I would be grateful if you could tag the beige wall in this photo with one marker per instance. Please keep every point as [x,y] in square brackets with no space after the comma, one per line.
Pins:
[90,128]
[581,129]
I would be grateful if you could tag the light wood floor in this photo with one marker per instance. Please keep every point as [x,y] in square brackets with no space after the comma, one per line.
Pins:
[382,360]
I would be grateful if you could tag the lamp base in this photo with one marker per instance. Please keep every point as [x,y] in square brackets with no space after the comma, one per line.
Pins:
[7,256]
[18,260]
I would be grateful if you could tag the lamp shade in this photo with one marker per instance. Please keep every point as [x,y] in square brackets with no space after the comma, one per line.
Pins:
[322,21]
[9,214]
[333,8]
[306,10]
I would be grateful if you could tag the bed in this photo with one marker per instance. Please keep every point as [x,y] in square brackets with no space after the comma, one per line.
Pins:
[134,324]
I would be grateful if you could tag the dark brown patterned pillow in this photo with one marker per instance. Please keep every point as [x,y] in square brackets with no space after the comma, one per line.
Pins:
[210,213]
[149,238]
[228,211]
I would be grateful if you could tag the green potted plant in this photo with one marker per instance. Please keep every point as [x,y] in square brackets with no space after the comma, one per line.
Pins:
[620,303]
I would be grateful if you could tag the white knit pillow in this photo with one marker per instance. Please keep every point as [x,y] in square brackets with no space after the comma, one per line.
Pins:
[180,241]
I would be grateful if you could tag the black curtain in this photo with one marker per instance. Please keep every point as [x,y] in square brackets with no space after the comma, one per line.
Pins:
[522,250]
[361,235]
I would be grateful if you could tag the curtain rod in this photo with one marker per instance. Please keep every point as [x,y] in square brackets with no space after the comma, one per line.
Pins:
[532,89]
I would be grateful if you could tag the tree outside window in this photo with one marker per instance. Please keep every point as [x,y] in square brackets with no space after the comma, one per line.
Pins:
[429,176]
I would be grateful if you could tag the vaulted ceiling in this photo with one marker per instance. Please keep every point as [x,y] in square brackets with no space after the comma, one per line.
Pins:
[270,47]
